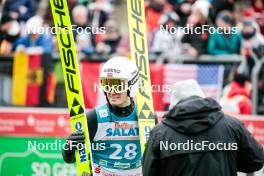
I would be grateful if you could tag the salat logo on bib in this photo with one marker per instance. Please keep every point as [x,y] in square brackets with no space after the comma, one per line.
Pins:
[123,129]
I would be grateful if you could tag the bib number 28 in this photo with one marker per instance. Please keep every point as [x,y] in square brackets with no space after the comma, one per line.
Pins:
[130,151]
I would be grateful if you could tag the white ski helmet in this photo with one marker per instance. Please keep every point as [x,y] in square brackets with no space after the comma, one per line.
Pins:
[124,69]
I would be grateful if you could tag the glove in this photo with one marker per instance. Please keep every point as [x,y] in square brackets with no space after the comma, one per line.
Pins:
[75,141]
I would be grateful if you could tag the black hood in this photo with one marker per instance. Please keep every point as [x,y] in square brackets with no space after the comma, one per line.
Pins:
[193,114]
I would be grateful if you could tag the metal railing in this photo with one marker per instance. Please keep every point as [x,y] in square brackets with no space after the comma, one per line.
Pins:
[255,79]
[6,63]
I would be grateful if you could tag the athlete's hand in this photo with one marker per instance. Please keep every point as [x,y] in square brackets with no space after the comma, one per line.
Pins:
[75,141]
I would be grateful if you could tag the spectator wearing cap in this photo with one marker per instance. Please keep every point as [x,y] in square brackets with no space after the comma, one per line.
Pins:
[256,13]
[179,145]
[83,36]
[100,12]
[21,10]
[195,43]
[183,8]
[167,38]
[34,37]
[154,9]
[110,40]
[219,5]
[9,32]
[252,43]
[224,40]
[236,97]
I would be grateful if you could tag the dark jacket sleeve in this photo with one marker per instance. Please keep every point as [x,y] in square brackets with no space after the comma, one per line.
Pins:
[250,154]
[69,155]
[92,123]
[151,159]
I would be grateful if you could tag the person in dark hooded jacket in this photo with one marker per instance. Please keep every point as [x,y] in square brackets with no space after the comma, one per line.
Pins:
[195,138]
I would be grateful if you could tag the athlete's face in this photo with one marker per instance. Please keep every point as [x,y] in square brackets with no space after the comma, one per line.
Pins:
[118,99]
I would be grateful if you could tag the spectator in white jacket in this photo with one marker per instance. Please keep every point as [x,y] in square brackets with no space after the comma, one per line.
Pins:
[252,44]
[166,43]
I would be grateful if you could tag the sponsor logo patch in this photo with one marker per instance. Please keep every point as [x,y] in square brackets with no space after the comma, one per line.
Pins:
[103,113]
[97,170]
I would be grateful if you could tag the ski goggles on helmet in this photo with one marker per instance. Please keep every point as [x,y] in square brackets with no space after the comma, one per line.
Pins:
[116,85]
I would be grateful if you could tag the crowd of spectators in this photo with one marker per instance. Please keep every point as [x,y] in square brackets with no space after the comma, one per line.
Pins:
[165,20]
[170,28]
[229,36]
[23,27]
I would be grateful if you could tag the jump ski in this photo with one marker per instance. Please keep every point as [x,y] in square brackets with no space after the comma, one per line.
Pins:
[72,82]
[139,54]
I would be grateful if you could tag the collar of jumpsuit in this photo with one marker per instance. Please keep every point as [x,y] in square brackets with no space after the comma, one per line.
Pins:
[124,111]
